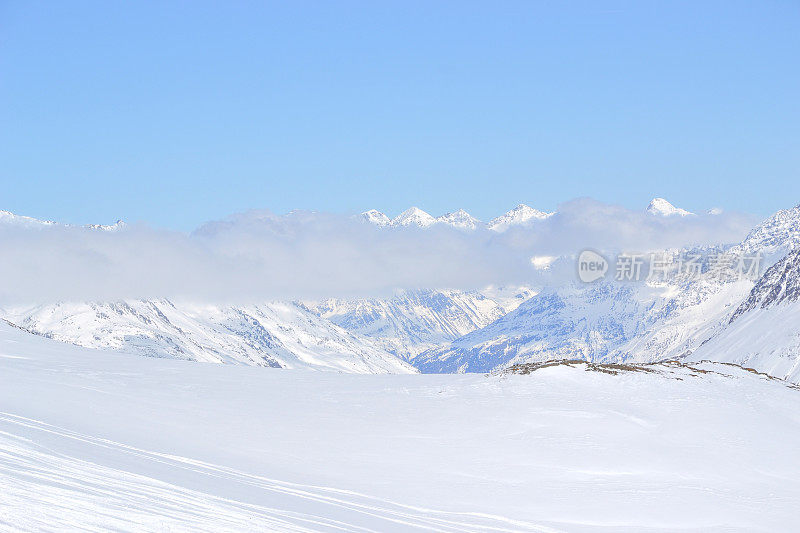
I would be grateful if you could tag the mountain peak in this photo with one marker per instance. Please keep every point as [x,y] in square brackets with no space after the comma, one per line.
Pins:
[413,216]
[661,207]
[519,215]
[373,216]
[459,219]
[779,233]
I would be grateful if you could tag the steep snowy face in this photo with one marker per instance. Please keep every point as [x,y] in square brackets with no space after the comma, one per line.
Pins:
[763,332]
[520,215]
[278,335]
[415,320]
[413,216]
[779,284]
[374,216]
[661,207]
[776,235]
[460,219]
[608,321]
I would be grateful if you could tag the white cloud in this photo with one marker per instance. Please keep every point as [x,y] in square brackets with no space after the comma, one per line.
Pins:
[257,255]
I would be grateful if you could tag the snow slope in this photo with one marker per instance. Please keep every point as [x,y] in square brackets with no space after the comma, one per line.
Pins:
[274,334]
[604,321]
[764,331]
[413,321]
[622,322]
[102,441]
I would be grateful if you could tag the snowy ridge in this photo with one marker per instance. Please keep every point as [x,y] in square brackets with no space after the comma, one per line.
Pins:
[777,235]
[376,217]
[460,219]
[519,216]
[280,335]
[779,284]
[762,333]
[11,219]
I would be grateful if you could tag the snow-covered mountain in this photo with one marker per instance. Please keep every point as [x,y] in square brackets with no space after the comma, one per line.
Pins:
[280,335]
[413,321]
[661,207]
[775,236]
[413,216]
[764,331]
[565,323]
[520,215]
[646,321]
[7,217]
[460,219]
[376,217]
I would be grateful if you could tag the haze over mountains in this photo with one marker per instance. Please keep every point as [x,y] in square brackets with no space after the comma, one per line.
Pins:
[440,328]
[113,417]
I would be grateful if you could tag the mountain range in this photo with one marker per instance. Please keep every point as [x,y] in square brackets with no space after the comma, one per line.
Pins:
[741,320]
[521,215]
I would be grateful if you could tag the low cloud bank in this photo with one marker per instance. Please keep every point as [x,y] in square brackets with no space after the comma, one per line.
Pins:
[257,256]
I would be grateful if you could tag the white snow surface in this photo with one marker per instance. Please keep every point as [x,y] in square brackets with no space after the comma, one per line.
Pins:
[102,441]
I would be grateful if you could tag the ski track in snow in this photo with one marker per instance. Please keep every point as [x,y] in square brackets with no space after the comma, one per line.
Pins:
[70,489]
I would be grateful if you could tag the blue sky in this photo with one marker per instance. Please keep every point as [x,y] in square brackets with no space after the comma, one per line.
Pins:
[178,113]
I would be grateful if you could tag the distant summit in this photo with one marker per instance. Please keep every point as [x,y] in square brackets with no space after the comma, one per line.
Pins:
[460,219]
[520,215]
[414,216]
[21,221]
[661,207]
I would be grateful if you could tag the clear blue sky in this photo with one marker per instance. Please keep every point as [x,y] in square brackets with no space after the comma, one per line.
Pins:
[177,113]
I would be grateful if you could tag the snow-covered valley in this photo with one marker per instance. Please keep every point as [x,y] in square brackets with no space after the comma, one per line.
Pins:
[97,440]
[316,416]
